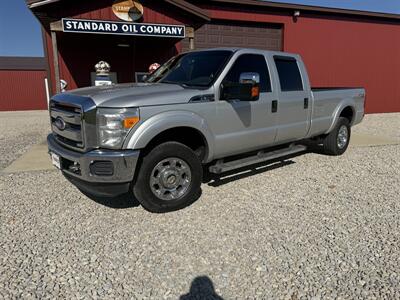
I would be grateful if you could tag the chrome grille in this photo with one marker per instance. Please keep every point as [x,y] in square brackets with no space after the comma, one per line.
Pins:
[66,123]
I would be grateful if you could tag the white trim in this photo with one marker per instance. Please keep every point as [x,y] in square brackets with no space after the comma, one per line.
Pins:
[127,33]
[46,84]
[44,2]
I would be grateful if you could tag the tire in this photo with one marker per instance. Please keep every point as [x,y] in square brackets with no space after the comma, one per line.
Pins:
[169,178]
[337,141]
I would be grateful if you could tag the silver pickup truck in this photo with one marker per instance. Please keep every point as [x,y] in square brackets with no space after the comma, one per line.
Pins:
[204,111]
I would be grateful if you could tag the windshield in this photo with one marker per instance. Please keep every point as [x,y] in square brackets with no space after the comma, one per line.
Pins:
[192,69]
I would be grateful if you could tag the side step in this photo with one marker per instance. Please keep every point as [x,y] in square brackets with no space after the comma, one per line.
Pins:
[221,167]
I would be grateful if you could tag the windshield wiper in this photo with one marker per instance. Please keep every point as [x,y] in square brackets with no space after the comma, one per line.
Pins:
[184,85]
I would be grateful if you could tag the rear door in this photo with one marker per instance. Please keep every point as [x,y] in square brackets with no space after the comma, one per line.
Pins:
[293,106]
[246,125]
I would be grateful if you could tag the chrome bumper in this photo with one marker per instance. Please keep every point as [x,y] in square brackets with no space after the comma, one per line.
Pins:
[80,165]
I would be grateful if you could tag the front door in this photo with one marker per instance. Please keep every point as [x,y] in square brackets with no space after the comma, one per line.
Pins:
[246,125]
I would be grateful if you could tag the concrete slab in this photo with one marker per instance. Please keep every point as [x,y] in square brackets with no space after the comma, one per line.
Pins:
[368,140]
[36,159]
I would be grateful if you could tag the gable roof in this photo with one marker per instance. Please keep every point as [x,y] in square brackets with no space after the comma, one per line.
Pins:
[201,13]
[22,63]
[182,4]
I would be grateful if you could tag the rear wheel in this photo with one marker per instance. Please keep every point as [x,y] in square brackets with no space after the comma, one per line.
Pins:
[337,141]
[169,178]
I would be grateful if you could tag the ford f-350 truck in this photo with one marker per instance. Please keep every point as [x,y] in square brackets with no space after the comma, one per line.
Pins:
[216,110]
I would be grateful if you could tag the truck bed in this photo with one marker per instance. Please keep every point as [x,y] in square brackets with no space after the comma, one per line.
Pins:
[327,100]
[318,89]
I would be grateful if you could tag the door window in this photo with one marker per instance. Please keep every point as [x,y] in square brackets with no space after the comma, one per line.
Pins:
[289,74]
[251,63]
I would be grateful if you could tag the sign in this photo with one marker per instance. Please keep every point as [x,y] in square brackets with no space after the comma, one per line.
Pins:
[108,27]
[128,10]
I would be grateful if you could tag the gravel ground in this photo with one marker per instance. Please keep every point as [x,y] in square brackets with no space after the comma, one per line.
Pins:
[387,125]
[315,226]
[19,131]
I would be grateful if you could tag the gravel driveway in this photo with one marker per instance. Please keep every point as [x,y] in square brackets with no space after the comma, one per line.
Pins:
[314,226]
[19,131]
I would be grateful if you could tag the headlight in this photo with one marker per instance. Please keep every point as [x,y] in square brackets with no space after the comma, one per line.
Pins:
[114,124]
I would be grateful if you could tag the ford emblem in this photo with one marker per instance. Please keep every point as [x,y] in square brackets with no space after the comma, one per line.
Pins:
[60,123]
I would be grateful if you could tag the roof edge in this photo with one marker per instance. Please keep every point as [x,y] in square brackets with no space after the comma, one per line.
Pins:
[22,63]
[36,3]
[311,8]
[191,8]
[182,4]
[202,14]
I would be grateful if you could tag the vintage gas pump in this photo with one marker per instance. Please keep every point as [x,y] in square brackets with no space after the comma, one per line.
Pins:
[102,74]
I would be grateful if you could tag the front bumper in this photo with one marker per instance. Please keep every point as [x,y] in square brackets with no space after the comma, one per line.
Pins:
[80,168]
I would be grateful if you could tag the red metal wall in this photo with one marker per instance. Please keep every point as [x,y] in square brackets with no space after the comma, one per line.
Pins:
[340,51]
[22,90]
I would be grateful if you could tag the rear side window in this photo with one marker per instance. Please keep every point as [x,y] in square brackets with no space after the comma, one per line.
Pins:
[289,74]
[253,63]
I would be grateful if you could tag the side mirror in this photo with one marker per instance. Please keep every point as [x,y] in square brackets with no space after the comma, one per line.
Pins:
[249,77]
[248,88]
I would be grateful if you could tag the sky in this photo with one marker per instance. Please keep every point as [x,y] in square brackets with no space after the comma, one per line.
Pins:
[20,33]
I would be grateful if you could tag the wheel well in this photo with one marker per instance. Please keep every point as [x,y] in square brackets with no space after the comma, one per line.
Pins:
[188,136]
[347,113]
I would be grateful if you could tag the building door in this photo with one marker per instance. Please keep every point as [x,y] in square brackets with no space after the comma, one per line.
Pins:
[245,35]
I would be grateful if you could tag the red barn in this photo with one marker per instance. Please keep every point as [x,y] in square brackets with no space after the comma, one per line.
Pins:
[23,83]
[340,47]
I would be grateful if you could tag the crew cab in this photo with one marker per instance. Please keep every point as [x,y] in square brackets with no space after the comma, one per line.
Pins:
[211,111]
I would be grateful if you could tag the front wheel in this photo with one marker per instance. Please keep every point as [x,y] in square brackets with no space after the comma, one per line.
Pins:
[169,178]
[337,141]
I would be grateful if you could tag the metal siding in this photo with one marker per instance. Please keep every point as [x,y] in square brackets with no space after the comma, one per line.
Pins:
[233,34]
[339,51]
[154,12]
[22,90]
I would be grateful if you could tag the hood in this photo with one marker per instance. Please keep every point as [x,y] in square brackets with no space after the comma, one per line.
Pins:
[137,94]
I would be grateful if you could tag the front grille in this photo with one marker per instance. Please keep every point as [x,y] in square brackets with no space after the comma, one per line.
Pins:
[66,124]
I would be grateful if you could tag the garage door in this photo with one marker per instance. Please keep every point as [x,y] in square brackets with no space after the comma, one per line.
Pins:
[246,35]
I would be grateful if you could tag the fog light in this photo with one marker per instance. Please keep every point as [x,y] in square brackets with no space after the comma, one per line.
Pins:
[75,168]
[102,168]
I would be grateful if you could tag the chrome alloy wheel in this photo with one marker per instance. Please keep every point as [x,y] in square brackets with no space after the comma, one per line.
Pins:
[343,137]
[170,179]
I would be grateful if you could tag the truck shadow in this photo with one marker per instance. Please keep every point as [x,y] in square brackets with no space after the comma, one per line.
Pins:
[216,180]
[313,147]
[119,202]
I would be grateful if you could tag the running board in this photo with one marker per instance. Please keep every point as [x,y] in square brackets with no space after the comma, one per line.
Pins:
[221,167]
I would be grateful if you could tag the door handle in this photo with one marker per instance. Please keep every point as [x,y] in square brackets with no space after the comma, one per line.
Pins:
[274,107]
[306,103]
